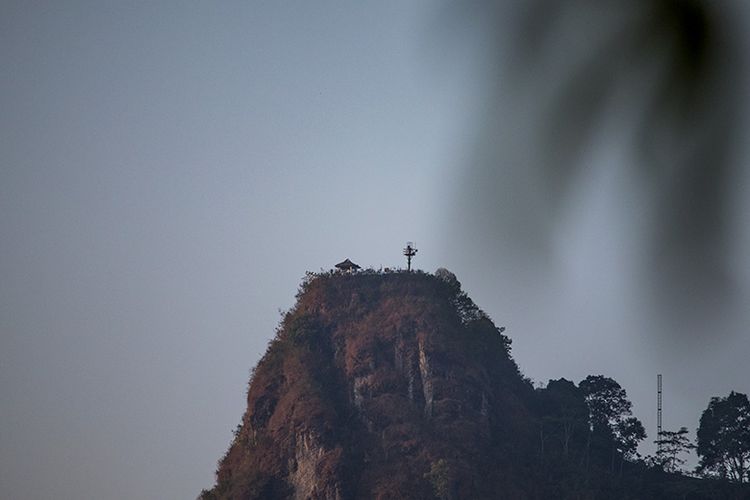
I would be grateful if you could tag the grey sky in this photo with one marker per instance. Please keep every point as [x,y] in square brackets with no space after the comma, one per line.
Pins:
[169,171]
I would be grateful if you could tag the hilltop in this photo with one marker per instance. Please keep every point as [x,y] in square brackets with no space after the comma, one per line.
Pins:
[396,385]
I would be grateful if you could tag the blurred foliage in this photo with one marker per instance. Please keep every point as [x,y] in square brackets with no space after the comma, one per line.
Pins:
[666,77]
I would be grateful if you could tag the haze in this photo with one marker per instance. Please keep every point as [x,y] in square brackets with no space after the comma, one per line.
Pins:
[168,172]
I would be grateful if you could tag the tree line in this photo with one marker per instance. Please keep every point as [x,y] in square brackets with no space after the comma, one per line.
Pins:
[591,427]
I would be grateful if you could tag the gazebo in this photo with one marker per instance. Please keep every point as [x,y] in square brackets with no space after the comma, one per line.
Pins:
[347,266]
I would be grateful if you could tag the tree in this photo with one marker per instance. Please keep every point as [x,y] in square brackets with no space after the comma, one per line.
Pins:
[440,477]
[724,438]
[564,413]
[611,424]
[628,433]
[671,445]
[607,402]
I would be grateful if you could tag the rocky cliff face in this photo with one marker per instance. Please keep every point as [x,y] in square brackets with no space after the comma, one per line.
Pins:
[395,385]
[380,386]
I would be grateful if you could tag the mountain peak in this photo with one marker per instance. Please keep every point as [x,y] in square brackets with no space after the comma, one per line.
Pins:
[373,382]
[396,385]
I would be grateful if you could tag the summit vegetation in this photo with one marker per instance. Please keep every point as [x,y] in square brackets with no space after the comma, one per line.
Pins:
[396,385]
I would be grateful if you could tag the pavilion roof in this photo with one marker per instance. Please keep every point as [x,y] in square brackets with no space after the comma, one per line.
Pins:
[347,264]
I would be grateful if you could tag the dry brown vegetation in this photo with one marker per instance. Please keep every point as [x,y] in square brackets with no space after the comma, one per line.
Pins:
[396,385]
[371,379]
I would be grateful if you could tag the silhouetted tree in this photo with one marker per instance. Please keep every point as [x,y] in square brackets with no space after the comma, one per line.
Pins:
[628,433]
[671,445]
[611,425]
[724,438]
[565,414]
[607,401]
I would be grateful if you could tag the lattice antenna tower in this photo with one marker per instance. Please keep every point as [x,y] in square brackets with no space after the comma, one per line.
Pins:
[658,410]
[410,251]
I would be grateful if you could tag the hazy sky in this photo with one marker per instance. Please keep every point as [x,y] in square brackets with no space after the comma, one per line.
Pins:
[169,171]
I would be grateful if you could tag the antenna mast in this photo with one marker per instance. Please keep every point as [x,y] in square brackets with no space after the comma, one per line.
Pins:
[658,410]
[410,251]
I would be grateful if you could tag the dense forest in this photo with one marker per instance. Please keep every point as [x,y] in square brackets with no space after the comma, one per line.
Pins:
[396,385]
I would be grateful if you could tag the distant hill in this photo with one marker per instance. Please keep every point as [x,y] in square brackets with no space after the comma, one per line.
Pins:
[396,385]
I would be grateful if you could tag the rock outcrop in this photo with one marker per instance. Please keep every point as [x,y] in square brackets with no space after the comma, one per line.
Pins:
[396,385]
[380,385]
